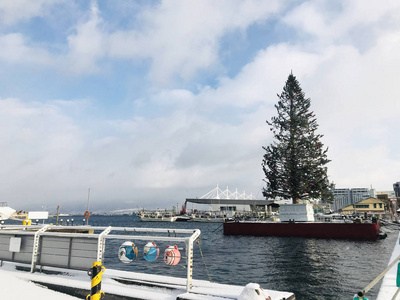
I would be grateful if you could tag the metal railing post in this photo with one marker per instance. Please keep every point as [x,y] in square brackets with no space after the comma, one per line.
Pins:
[189,254]
[101,244]
[36,245]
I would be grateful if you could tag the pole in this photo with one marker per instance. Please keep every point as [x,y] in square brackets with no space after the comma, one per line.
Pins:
[88,198]
[95,275]
[58,213]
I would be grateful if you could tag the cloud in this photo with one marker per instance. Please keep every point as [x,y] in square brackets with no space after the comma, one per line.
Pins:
[177,136]
[21,10]
[179,38]
[182,37]
[38,143]
[86,46]
[347,22]
[16,50]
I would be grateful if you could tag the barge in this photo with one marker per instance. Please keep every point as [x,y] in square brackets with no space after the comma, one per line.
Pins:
[364,231]
[297,220]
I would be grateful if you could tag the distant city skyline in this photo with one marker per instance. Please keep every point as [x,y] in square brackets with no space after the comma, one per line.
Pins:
[150,102]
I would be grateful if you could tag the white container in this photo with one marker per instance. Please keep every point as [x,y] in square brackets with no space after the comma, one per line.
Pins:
[296,212]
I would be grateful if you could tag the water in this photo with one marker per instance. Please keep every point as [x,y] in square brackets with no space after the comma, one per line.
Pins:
[310,268]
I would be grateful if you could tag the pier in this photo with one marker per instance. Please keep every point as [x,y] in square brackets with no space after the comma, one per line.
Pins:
[58,257]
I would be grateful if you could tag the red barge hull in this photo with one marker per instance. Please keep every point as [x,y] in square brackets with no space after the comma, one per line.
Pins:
[363,231]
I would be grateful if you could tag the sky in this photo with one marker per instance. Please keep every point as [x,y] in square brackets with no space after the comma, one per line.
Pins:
[141,104]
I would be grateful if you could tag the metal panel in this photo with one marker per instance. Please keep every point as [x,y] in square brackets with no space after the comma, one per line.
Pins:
[84,253]
[3,247]
[53,260]
[24,257]
[15,244]
[26,243]
[68,252]
[54,251]
[82,263]
[5,254]
[4,239]
[25,250]
[55,242]
[84,244]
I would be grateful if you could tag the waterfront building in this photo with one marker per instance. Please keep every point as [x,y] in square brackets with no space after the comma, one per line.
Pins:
[345,197]
[371,206]
[341,198]
[385,195]
[389,197]
[229,203]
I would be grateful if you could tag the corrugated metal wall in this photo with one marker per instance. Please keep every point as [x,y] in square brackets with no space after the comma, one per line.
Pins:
[65,252]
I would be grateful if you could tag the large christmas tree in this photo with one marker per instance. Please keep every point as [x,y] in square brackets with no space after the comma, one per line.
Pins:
[294,163]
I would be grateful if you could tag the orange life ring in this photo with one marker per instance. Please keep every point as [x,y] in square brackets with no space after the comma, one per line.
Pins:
[87,214]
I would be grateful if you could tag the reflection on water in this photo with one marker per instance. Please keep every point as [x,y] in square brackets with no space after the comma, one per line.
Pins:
[310,268]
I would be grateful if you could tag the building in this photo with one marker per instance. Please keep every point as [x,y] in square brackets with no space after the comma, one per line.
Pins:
[341,198]
[396,188]
[228,202]
[371,206]
[385,195]
[359,194]
[346,197]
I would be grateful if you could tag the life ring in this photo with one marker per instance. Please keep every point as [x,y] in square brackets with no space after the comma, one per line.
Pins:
[87,214]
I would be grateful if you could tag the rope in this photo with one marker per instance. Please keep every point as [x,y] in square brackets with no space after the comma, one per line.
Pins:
[217,227]
[198,241]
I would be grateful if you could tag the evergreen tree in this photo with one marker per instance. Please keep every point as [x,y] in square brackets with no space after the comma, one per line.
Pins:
[294,163]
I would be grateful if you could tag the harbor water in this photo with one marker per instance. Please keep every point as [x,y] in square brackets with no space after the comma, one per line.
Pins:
[310,268]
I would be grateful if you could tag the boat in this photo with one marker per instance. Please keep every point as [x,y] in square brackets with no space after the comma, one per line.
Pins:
[6,212]
[183,218]
[209,219]
[296,221]
[157,217]
[334,230]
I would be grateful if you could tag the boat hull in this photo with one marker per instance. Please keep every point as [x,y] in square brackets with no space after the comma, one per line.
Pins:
[208,220]
[163,219]
[364,231]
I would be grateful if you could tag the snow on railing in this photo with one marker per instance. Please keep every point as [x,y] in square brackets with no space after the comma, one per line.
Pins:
[188,236]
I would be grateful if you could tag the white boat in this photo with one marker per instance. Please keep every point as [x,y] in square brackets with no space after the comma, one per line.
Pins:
[6,212]
[207,218]
[157,217]
[183,218]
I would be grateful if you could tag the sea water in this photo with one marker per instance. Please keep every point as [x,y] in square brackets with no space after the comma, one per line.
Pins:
[310,268]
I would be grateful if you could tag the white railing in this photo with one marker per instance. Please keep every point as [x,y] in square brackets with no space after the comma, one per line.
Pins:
[379,277]
[189,237]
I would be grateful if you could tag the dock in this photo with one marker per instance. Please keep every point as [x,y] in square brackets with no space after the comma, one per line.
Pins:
[57,258]
[118,284]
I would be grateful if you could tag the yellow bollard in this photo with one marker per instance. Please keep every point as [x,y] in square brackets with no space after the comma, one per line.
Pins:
[95,274]
[26,221]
